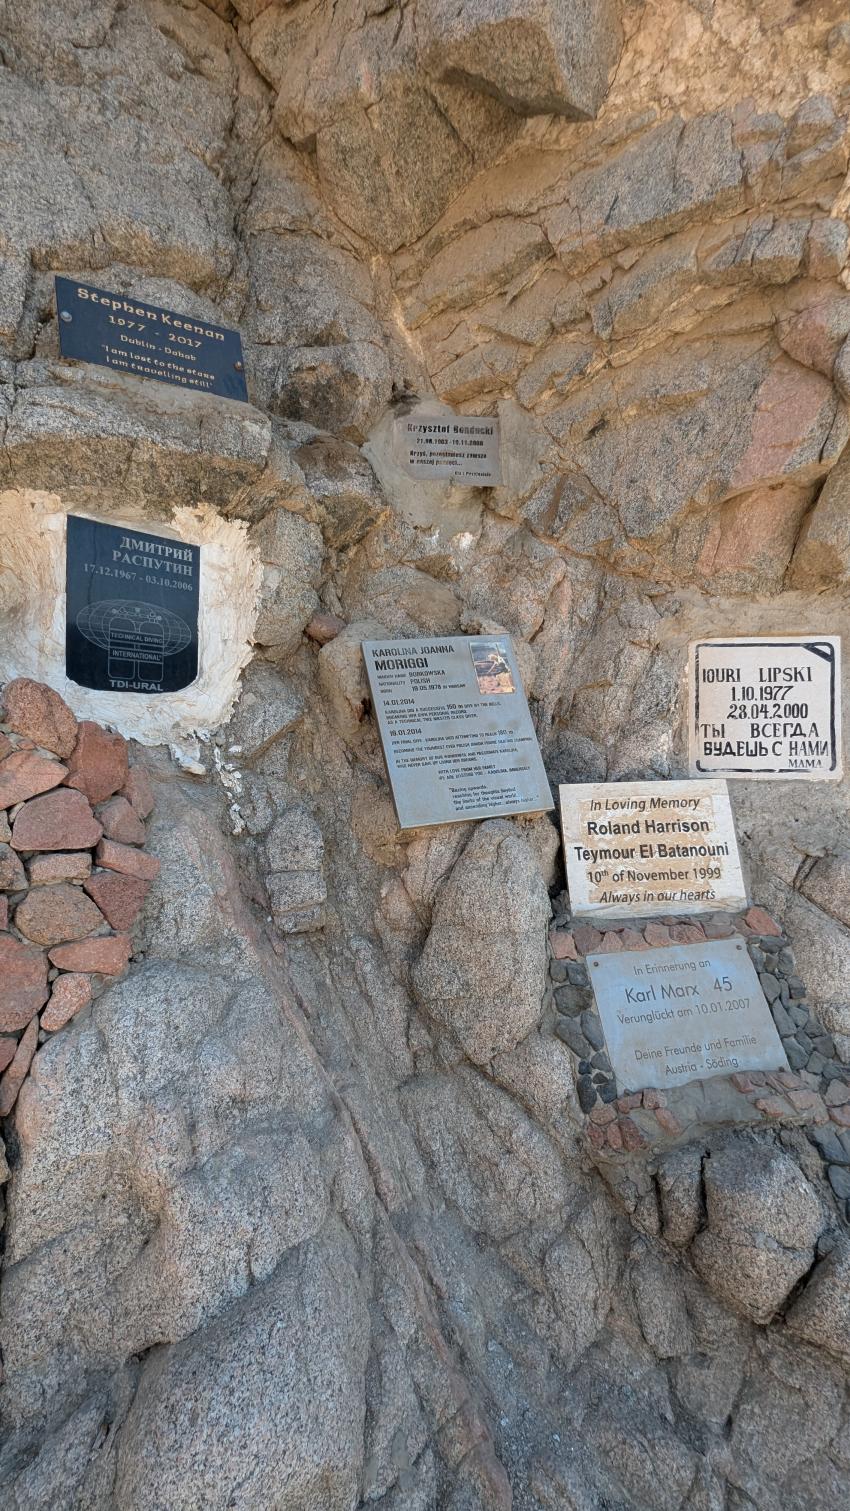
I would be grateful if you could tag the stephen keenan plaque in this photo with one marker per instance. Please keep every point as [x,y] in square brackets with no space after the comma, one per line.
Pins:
[684,1013]
[131,609]
[131,336]
[763,708]
[457,734]
[640,849]
[463,448]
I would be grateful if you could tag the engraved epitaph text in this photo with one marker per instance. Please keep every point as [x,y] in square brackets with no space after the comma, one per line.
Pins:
[684,1013]
[457,734]
[132,599]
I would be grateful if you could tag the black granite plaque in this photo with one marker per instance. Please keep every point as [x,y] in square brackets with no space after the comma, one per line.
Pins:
[132,599]
[130,336]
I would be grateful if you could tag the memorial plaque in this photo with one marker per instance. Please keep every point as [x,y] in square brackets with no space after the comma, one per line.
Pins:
[131,336]
[463,448]
[640,849]
[455,727]
[131,623]
[764,708]
[684,1013]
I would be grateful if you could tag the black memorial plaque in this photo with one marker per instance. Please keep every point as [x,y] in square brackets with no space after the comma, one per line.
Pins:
[130,336]
[132,599]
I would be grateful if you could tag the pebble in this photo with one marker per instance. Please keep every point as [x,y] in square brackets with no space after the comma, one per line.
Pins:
[797,1056]
[839,1179]
[569,1033]
[592,1029]
[577,973]
[608,1092]
[769,985]
[785,1025]
[586,1093]
[570,1000]
[558,970]
[829,1142]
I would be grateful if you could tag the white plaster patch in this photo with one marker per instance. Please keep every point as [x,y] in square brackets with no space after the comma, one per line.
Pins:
[32,615]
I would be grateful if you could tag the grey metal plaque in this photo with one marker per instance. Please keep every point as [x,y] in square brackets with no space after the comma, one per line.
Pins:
[457,734]
[684,1013]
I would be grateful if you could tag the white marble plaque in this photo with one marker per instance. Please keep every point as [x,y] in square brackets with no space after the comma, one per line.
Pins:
[643,849]
[684,1013]
[455,727]
[463,448]
[766,708]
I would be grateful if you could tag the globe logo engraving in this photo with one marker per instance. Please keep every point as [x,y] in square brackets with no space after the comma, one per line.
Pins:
[137,637]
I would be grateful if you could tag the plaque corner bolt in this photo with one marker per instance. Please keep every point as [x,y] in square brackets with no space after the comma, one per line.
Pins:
[239,366]
[66,316]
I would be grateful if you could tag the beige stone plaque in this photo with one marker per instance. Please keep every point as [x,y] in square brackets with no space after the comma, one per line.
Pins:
[770,707]
[644,849]
[463,448]
[684,1013]
[456,730]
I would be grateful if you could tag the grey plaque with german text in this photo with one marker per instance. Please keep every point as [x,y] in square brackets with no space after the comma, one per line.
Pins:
[684,1013]
[455,727]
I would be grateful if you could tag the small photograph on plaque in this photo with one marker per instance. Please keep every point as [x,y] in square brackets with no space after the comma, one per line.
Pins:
[142,340]
[762,708]
[643,849]
[684,1013]
[131,618]
[456,730]
[491,667]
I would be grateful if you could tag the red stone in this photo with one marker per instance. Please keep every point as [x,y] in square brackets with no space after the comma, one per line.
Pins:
[628,1103]
[105,956]
[34,710]
[603,1113]
[631,1134]
[657,934]
[23,972]
[596,1135]
[665,1118]
[59,865]
[70,994]
[124,858]
[614,1136]
[758,1077]
[61,820]
[632,940]
[841,1115]
[611,943]
[324,627]
[4,912]
[742,1082]
[653,1099]
[12,875]
[563,945]
[772,1107]
[119,898]
[25,774]
[54,915]
[687,933]
[98,766]
[7,1051]
[587,939]
[120,821]
[761,922]
[138,790]
[12,1079]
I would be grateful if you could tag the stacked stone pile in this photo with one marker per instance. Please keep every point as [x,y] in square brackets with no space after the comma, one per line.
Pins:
[73,874]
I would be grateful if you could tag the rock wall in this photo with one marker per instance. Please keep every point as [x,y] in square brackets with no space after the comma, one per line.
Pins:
[303,1212]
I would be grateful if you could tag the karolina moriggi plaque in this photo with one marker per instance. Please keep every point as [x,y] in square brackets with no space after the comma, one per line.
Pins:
[145,341]
[131,609]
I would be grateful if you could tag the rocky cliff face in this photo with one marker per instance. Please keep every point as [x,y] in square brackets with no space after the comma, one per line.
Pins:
[302,1212]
